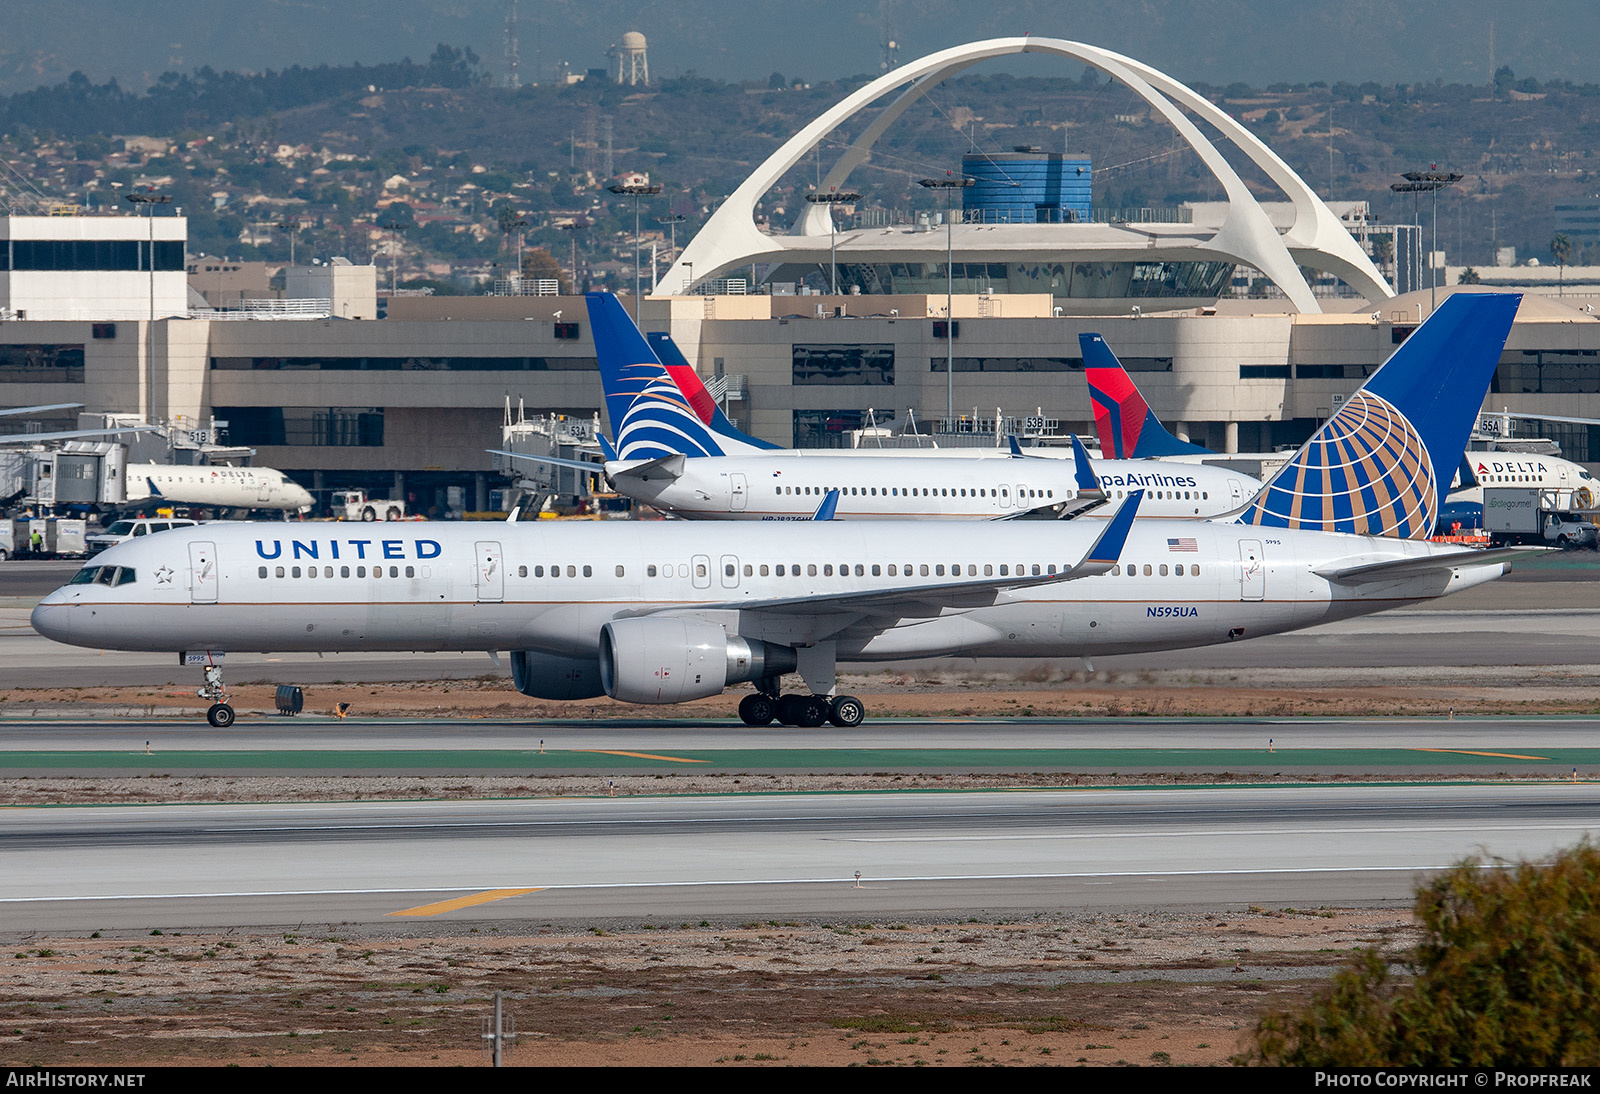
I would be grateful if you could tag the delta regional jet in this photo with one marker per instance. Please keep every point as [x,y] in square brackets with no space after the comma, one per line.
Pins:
[674,450]
[659,613]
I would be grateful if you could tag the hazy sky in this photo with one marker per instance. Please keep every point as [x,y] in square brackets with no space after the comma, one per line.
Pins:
[1215,41]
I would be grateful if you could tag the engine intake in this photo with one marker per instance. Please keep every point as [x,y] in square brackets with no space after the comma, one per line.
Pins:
[551,676]
[664,660]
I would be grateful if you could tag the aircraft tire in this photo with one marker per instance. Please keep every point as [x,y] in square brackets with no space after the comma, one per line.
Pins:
[846,711]
[369,514]
[813,711]
[220,715]
[757,710]
[790,709]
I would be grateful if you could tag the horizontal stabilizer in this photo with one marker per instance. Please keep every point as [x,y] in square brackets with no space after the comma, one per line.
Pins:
[662,467]
[1399,569]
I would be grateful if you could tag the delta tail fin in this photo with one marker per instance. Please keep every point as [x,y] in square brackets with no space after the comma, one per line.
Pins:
[1382,465]
[688,380]
[1128,428]
[650,417]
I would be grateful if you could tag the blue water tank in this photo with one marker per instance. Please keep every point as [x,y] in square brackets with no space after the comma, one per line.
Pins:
[1026,187]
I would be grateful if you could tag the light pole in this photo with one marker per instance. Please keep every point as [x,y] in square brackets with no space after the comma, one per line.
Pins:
[149,199]
[672,220]
[636,189]
[1430,182]
[948,186]
[831,198]
[572,229]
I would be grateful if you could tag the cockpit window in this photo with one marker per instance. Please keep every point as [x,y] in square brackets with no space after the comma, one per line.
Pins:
[106,576]
[85,575]
[126,576]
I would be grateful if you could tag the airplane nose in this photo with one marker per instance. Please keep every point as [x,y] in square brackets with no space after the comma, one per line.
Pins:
[54,621]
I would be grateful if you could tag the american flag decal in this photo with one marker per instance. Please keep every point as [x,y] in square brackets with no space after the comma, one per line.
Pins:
[1182,545]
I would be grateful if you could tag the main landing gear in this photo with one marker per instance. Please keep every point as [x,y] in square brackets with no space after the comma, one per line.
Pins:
[220,714]
[809,711]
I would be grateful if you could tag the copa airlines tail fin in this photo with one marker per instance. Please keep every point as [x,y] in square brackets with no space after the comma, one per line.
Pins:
[650,417]
[1127,426]
[688,381]
[1382,465]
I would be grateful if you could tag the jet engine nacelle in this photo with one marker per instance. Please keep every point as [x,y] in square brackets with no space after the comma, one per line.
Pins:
[664,660]
[550,676]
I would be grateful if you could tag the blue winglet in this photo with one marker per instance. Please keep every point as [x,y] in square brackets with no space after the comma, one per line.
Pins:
[1108,548]
[155,491]
[605,447]
[1016,448]
[829,504]
[1082,469]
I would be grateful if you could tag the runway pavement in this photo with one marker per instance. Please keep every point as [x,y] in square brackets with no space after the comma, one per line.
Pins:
[188,867]
[1385,748]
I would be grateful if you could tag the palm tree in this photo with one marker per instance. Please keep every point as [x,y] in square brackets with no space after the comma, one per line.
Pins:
[1561,250]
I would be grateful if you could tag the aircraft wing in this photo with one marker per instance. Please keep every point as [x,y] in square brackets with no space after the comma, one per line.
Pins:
[1397,569]
[833,612]
[72,434]
[38,409]
[580,465]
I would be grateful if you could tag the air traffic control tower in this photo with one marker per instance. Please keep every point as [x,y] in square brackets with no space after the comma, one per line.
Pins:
[1025,186]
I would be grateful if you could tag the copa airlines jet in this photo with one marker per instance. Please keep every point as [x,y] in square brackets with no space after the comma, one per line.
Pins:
[216,486]
[678,453]
[662,613]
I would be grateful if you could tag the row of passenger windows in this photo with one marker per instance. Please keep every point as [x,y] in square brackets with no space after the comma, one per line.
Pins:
[1161,568]
[112,575]
[344,571]
[1170,495]
[913,492]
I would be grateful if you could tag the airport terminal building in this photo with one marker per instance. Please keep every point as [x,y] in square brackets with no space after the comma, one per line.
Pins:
[409,404]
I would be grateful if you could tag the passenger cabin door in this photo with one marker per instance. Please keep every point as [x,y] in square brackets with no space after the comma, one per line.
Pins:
[1252,570]
[202,573]
[737,492]
[491,574]
[263,488]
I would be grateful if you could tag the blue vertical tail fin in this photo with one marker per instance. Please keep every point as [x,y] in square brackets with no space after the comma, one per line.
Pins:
[1382,465]
[650,417]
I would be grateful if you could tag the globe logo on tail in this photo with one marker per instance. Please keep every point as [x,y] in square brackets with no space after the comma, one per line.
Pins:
[1366,471]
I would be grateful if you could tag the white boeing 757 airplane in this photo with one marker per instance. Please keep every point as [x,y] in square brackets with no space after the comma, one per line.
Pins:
[675,451]
[662,613]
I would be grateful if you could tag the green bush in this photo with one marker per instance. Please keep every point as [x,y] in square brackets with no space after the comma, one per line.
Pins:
[1507,973]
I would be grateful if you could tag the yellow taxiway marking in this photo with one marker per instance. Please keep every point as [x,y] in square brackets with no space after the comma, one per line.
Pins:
[465,901]
[1470,752]
[642,755]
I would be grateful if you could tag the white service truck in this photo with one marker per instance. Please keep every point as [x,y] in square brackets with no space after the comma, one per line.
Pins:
[355,505]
